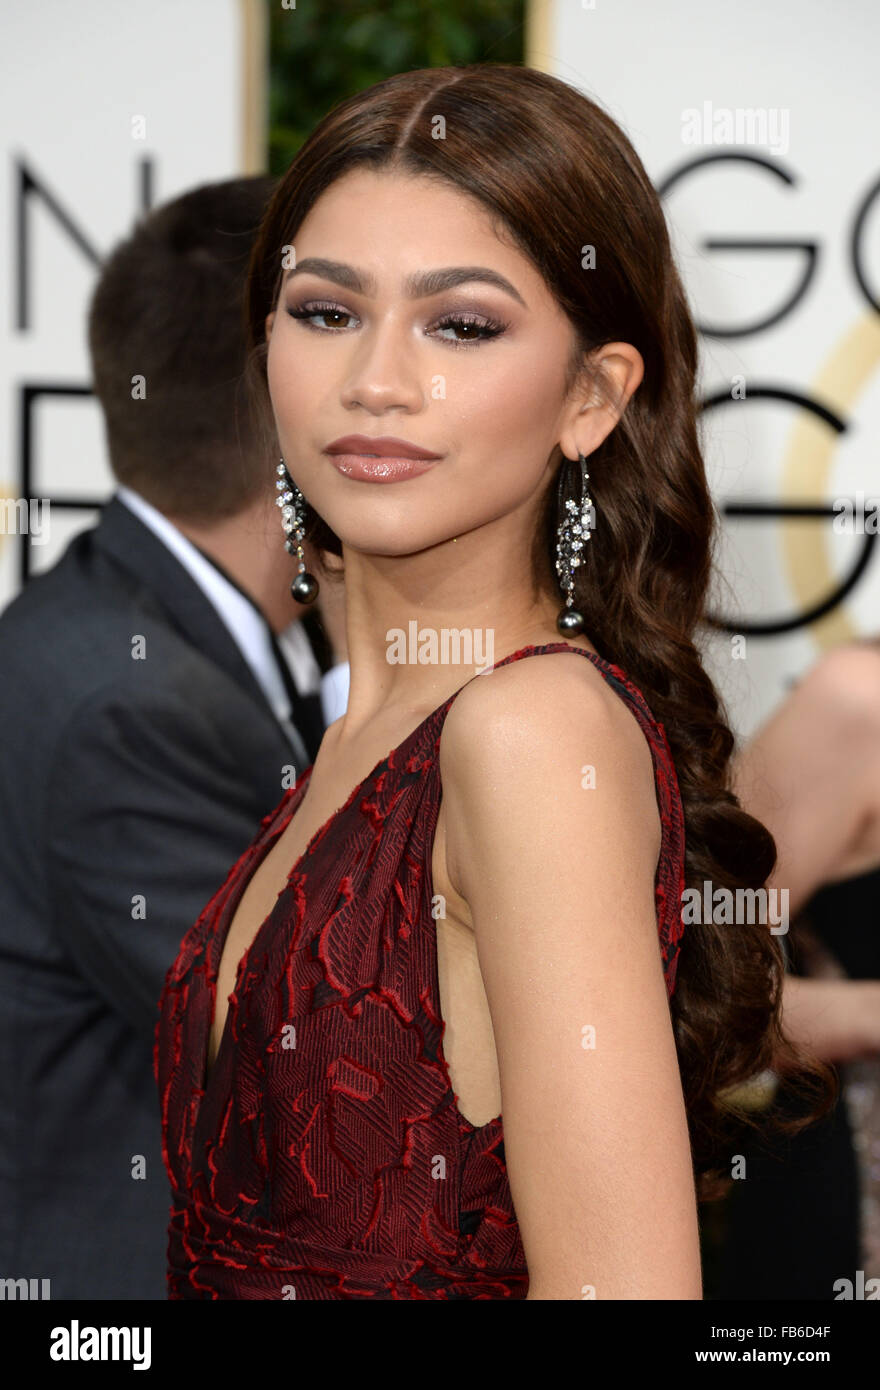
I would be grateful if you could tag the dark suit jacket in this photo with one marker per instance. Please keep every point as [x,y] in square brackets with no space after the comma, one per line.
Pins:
[128,788]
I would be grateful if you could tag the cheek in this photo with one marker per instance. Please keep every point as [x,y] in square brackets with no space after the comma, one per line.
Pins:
[281,380]
[532,398]
[292,381]
[511,412]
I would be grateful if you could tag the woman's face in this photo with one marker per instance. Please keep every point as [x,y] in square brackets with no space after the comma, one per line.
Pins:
[473,372]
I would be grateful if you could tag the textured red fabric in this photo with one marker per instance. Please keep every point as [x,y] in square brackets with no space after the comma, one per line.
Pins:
[328,1160]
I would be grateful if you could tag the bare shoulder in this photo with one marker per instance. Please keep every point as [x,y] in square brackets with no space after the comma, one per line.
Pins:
[553,833]
[554,695]
[532,731]
[846,680]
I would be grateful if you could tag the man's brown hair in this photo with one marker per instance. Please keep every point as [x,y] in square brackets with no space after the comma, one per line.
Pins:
[168,346]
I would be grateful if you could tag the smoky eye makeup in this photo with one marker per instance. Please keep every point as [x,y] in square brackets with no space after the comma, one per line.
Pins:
[476,325]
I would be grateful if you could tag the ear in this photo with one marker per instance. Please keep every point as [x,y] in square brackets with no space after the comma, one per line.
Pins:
[590,419]
[270,319]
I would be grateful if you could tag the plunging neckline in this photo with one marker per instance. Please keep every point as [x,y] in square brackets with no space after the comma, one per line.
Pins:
[233,903]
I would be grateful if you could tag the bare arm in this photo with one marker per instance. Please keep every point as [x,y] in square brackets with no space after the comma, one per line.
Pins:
[559,881]
[812,774]
[838,1020]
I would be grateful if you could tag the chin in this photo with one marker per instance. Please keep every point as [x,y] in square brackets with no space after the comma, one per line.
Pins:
[405,538]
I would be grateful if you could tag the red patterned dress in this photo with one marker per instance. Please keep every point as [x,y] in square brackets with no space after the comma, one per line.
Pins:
[325,1156]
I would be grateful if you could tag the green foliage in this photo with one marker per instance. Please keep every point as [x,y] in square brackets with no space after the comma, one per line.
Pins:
[326,50]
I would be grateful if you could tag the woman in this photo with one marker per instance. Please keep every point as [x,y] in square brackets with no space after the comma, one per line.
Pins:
[811,774]
[473,261]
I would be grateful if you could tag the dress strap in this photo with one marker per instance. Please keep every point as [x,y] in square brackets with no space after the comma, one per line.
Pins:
[613,674]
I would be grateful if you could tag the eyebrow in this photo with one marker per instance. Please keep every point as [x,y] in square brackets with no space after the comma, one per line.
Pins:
[416,286]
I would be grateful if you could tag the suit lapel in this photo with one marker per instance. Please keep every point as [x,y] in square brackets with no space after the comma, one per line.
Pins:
[134,547]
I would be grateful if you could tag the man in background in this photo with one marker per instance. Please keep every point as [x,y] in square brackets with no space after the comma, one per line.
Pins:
[157,697]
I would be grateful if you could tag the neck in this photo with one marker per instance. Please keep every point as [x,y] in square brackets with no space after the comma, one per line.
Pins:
[250,547]
[478,586]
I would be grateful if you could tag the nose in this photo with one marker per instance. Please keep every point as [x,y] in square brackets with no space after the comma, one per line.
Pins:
[383,373]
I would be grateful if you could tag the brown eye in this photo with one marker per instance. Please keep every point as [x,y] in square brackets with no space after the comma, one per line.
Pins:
[477,329]
[321,311]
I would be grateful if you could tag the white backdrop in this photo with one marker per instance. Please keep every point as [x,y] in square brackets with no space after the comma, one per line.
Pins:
[792,360]
[106,109]
[800,166]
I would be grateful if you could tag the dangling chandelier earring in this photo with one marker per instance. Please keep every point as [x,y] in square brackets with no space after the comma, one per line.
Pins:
[572,534]
[293,518]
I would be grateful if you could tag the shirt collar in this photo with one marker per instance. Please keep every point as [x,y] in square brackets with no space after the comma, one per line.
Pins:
[244,620]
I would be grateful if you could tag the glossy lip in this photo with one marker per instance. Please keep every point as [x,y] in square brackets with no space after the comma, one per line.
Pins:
[383,459]
[385,446]
[387,469]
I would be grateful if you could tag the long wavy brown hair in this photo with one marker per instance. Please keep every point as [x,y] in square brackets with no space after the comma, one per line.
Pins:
[560,176]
